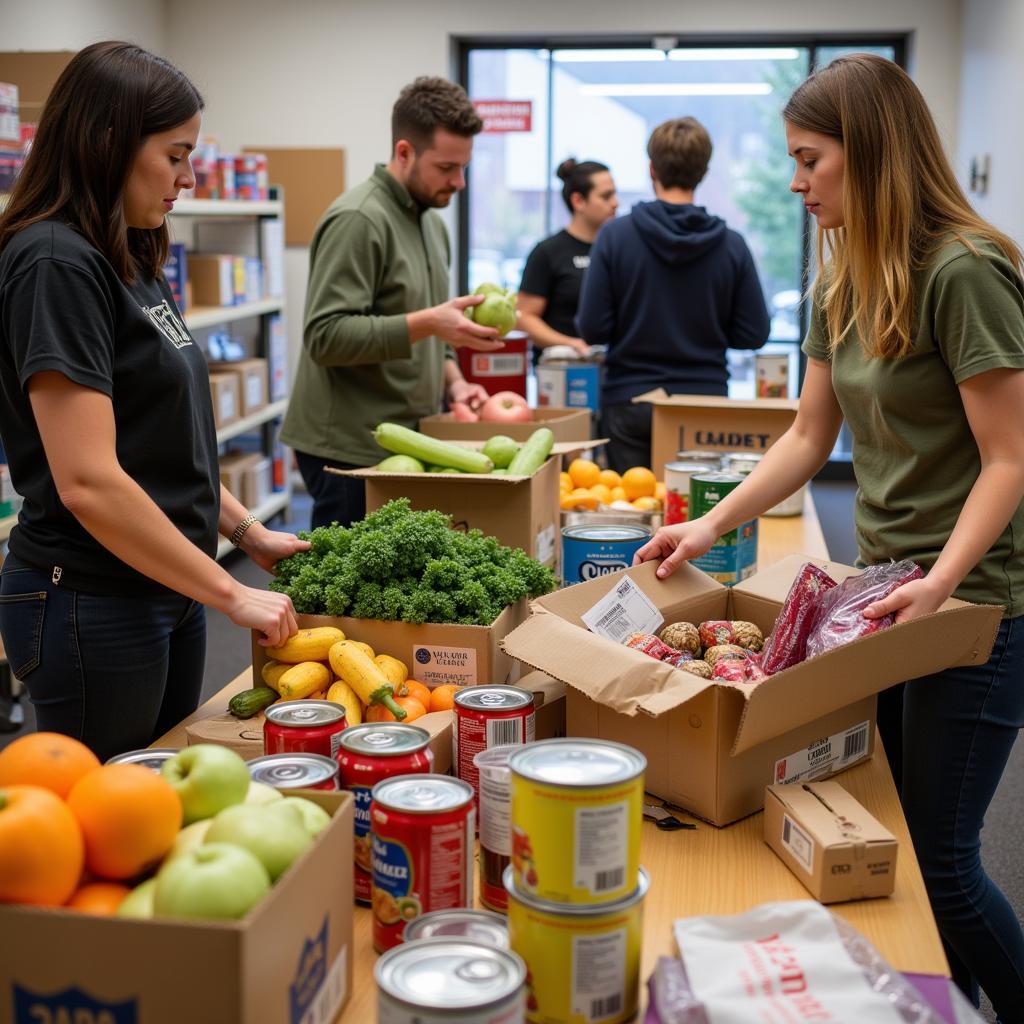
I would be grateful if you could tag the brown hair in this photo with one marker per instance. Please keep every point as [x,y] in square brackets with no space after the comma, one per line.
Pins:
[680,151]
[107,101]
[901,200]
[430,103]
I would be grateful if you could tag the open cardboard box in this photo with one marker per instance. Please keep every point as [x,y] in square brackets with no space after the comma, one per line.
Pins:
[568,425]
[713,746]
[289,959]
[714,424]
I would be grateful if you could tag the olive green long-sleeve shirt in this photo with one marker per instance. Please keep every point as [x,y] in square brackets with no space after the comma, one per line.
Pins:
[375,257]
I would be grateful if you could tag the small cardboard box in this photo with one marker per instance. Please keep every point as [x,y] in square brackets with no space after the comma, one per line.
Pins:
[227,399]
[565,424]
[712,746]
[714,424]
[289,959]
[257,482]
[829,841]
[232,469]
[252,382]
[212,279]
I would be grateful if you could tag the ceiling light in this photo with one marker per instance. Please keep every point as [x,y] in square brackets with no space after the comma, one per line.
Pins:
[678,89]
[606,56]
[736,53]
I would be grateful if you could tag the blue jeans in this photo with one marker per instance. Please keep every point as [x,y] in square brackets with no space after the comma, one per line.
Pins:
[953,739]
[113,672]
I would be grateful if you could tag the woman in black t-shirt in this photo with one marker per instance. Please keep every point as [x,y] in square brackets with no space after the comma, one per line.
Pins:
[550,289]
[106,417]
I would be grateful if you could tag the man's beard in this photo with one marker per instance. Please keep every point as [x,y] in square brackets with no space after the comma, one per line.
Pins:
[424,197]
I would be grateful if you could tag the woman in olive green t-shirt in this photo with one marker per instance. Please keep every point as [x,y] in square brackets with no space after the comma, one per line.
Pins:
[917,338]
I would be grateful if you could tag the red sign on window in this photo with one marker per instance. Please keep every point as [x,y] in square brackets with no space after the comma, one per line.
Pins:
[505,115]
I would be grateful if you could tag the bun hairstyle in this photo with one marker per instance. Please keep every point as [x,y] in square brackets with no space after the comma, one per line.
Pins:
[577,177]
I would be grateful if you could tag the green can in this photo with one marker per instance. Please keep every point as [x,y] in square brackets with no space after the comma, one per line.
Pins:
[734,555]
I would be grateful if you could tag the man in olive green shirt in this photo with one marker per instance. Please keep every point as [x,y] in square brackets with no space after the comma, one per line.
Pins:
[379,328]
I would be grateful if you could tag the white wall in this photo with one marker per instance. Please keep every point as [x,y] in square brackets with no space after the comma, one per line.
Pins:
[991,99]
[72,24]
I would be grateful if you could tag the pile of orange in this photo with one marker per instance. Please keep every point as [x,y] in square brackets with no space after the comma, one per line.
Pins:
[416,700]
[588,487]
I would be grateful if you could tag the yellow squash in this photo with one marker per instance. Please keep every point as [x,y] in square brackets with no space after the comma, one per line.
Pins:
[353,666]
[395,670]
[307,645]
[303,680]
[343,694]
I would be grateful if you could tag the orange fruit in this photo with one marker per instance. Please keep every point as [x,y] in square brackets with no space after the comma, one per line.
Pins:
[564,481]
[577,499]
[602,492]
[442,698]
[414,688]
[618,494]
[639,482]
[660,491]
[584,473]
[48,759]
[647,504]
[41,848]
[609,478]
[98,898]
[410,705]
[129,818]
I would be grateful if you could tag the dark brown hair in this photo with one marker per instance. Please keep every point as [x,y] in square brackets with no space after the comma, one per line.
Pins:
[680,151]
[577,177]
[109,99]
[430,103]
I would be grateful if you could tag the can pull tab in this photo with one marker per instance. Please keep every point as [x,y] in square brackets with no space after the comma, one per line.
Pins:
[57,573]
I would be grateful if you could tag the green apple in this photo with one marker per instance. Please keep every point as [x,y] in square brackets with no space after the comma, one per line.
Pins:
[189,838]
[401,464]
[217,880]
[207,778]
[139,902]
[314,817]
[261,793]
[274,834]
[501,450]
[489,288]
[496,311]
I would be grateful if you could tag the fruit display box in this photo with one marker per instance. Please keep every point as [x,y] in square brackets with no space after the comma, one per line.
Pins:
[289,959]
[712,746]
[567,425]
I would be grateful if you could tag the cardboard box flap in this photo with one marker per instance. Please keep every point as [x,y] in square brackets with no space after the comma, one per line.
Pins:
[661,397]
[959,635]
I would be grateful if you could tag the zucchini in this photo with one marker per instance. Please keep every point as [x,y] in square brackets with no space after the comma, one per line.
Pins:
[534,453]
[402,441]
[251,702]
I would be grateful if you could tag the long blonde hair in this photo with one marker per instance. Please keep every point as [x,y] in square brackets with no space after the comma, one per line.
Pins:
[901,200]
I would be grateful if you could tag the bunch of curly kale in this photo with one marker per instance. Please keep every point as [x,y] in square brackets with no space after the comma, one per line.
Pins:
[398,564]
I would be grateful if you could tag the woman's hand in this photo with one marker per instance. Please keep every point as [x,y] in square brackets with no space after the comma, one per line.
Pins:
[267,612]
[919,597]
[677,544]
[267,547]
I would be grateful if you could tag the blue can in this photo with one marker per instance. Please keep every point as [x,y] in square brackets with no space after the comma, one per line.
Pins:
[590,551]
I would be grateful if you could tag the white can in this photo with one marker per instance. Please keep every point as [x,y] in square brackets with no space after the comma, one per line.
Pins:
[746,462]
[771,375]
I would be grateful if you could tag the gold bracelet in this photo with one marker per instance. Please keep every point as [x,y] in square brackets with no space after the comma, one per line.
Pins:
[239,531]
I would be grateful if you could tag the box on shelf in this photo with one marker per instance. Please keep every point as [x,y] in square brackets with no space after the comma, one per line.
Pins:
[272,253]
[232,468]
[715,424]
[10,117]
[289,959]
[829,841]
[277,357]
[252,382]
[257,482]
[176,274]
[565,424]
[212,278]
[713,746]
[227,398]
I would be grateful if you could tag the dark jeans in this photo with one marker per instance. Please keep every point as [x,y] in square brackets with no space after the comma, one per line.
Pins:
[948,738]
[628,429]
[336,499]
[113,672]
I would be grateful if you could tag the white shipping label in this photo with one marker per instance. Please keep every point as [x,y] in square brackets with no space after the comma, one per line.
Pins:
[253,390]
[327,1002]
[798,842]
[602,847]
[824,756]
[599,975]
[544,548]
[227,405]
[436,665]
[623,610]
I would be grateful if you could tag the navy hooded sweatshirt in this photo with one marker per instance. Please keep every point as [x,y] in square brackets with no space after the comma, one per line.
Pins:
[668,290]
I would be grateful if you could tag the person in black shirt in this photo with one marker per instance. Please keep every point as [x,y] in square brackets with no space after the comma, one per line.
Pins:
[107,420]
[550,289]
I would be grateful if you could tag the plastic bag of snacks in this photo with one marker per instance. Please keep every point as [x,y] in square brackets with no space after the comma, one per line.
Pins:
[788,641]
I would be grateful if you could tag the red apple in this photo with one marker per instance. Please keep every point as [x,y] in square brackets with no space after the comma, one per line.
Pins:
[506,407]
[462,413]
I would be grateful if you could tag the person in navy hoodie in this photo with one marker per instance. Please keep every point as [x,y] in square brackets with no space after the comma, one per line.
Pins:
[669,289]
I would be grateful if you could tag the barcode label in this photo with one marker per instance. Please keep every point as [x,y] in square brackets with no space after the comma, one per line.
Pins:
[606,1007]
[498,366]
[501,731]
[602,847]
[798,842]
[824,756]
[856,742]
[599,975]
[623,610]
[327,1002]
[606,880]
[615,624]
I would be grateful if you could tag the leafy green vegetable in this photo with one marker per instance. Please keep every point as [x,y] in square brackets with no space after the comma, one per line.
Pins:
[401,565]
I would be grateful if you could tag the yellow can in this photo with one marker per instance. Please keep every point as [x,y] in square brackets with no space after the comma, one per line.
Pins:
[577,805]
[582,962]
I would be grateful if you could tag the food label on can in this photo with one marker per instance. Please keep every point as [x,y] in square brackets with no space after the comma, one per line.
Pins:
[797,841]
[829,754]
[438,665]
[362,846]
[495,816]
[602,847]
[676,505]
[733,558]
[623,610]
[599,975]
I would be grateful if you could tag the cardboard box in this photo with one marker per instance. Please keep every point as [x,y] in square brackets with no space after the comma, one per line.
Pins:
[714,424]
[830,842]
[291,953]
[212,279]
[257,482]
[227,398]
[252,382]
[232,469]
[713,746]
[565,424]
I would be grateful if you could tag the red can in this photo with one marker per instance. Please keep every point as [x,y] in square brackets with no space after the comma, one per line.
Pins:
[303,726]
[368,754]
[295,771]
[423,828]
[489,716]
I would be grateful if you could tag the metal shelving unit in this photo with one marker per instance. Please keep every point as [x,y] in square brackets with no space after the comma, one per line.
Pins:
[199,317]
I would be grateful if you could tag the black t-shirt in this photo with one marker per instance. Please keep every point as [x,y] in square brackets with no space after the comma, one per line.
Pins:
[63,308]
[554,270]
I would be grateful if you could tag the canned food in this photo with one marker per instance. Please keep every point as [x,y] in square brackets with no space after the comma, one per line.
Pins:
[771,373]
[472,925]
[367,754]
[295,771]
[592,551]
[489,716]
[583,963]
[741,463]
[149,757]
[707,457]
[744,463]
[577,805]
[495,824]
[423,827]
[677,489]
[303,726]
[450,981]
[733,557]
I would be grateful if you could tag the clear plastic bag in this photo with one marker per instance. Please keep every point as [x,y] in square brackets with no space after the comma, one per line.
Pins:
[788,640]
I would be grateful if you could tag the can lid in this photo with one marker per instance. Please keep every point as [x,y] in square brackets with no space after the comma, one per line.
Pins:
[292,771]
[494,698]
[422,794]
[384,740]
[508,877]
[148,757]
[611,531]
[299,714]
[687,467]
[449,974]
[718,478]
[698,455]
[476,925]
[577,762]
